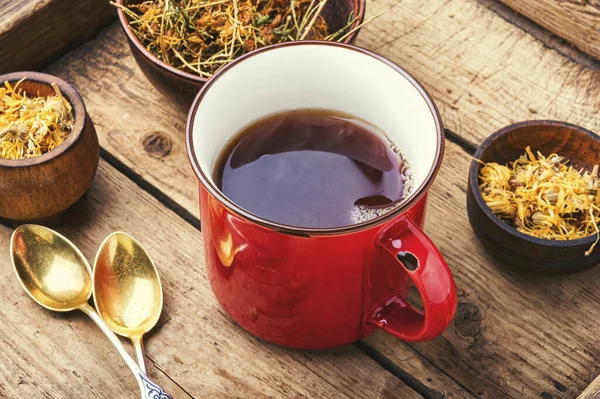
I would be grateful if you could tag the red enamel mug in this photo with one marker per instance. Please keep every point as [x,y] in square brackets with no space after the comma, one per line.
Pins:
[320,288]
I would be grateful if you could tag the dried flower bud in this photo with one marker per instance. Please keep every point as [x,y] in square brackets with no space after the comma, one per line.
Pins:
[276,21]
[517,223]
[551,196]
[537,218]
[514,182]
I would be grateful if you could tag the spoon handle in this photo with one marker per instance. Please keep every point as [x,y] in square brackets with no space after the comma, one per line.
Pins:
[138,346]
[148,389]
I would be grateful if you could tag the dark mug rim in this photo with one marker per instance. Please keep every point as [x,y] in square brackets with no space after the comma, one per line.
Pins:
[209,185]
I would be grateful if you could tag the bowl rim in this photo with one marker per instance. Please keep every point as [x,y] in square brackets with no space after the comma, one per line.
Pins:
[474,183]
[359,9]
[414,197]
[79,115]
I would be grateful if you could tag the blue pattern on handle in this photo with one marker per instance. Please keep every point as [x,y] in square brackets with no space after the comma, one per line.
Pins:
[153,391]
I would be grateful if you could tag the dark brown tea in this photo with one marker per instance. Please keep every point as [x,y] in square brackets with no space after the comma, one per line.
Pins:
[312,168]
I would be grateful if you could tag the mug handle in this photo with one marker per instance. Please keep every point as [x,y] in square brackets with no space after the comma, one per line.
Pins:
[424,263]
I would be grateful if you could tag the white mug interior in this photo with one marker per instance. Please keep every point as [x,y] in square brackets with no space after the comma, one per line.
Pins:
[318,75]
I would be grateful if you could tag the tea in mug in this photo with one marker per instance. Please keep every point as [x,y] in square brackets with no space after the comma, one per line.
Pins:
[313,168]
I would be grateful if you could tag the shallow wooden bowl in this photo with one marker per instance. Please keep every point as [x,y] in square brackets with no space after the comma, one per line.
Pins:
[41,188]
[505,243]
[181,87]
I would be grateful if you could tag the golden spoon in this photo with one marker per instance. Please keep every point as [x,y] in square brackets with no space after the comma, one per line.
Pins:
[127,289]
[58,277]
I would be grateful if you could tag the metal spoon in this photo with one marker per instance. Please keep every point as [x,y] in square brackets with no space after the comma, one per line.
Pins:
[127,289]
[58,277]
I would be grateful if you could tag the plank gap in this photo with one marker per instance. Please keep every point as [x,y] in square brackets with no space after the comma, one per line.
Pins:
[463,143]
[398,372]
[157,367]
[150,188]
[542,34]
[475,395]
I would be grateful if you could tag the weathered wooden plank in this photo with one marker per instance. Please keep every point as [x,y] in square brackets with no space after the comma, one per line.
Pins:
[59,356]
[197,345]
[592,391]
[33,32]
[577,21]
[482,71]
[126,109]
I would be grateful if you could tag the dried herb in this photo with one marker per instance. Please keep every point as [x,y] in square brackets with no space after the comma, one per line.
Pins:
[200,36]
[544,196]
[32,126]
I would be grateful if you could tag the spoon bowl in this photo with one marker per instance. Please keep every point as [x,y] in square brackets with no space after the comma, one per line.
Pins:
[127,289]
[52,270]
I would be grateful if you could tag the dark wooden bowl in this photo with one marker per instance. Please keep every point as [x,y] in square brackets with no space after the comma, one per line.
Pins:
[181,87]
[39,189]
[505,243]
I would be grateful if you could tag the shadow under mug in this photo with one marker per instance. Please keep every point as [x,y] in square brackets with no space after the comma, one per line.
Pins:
[320,288]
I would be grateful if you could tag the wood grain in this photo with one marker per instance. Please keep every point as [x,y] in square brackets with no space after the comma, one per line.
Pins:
[592,391]
[33,32]
[472,85]
[577,21]
[549,39]
[127,110]
[197,345]
[484,73]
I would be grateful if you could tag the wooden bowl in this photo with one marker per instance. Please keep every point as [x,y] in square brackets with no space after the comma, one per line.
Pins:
[181,87]
[39,189]
[505,243]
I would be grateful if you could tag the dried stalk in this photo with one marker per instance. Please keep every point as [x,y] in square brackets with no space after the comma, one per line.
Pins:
[200,36]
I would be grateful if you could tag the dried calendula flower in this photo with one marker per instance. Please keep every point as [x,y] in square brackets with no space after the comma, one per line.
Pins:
[498,195]
[32,126]
[544,196]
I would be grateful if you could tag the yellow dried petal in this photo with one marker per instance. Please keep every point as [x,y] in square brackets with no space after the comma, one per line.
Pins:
[32,126]
[543,196]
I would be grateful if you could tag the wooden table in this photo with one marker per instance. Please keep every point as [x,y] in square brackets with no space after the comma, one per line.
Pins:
[515,334]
